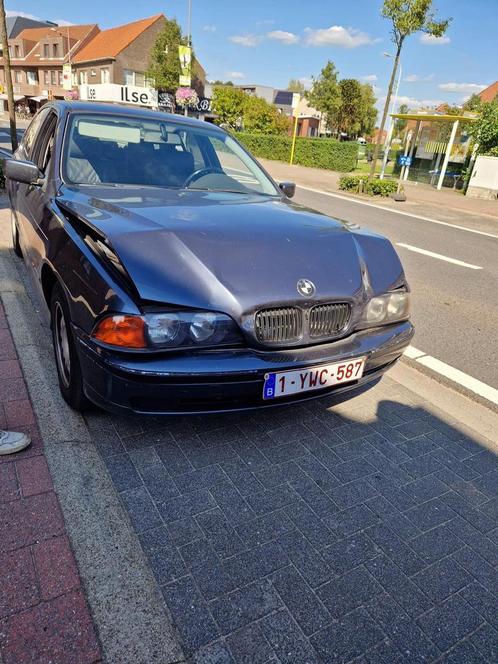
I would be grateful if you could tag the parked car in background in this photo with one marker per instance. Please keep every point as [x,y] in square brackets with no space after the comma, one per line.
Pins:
[179,277]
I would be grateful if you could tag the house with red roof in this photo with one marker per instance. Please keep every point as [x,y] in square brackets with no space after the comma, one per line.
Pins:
[118,55]
[489,93]
[37,55]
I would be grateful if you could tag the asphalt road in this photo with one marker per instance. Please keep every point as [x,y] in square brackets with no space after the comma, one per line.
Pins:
[455,307]
[5,135]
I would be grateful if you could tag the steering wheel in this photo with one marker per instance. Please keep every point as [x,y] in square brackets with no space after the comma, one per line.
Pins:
[201,172]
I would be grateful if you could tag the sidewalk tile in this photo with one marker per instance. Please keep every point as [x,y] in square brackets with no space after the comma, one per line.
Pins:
[34,476]
[10,368]
[9,488]
[19,413]
[56,567]
[26,521]
[18,584]
[7,349]
[57,631]
[11,389]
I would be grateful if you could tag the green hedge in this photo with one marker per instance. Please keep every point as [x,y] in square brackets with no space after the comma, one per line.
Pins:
[317,152]
[374,188]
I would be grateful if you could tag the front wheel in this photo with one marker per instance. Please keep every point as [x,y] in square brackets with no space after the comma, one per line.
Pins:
[66,357]
[15,235]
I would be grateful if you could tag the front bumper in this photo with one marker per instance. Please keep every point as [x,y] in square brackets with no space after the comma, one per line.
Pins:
[225,380]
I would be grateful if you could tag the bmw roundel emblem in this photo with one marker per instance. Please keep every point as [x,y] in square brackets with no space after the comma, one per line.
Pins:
[306,288]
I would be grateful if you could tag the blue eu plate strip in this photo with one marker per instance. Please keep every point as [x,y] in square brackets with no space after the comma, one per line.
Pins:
[269,389]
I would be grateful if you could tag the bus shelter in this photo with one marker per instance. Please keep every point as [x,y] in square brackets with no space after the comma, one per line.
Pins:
[438,139]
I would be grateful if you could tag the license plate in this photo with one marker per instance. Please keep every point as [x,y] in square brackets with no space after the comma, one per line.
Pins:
[284,383]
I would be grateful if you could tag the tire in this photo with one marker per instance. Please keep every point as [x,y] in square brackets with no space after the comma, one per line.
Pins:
[66,357]
[15,235]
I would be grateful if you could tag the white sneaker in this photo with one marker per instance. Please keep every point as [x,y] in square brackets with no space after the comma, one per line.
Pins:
[12,441]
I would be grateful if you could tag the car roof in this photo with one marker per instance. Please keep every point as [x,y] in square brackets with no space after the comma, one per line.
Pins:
[129,111]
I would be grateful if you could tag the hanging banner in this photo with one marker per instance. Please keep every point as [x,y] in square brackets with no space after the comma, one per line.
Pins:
[185,55]
[67,82]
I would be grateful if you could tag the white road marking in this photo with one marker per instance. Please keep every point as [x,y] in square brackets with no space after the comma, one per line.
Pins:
[432,254]
[393,211]
[414,353]
[455,375]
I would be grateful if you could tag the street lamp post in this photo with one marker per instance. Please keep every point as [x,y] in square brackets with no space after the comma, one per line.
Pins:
[389,134]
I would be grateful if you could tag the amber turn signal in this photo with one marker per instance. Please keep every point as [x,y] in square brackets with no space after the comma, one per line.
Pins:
[123,331]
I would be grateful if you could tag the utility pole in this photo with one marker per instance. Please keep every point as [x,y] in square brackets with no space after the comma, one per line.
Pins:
[189,23]
[386,109]
[8,76]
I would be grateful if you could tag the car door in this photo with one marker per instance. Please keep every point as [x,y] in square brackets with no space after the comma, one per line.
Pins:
[35,211]
[17,190]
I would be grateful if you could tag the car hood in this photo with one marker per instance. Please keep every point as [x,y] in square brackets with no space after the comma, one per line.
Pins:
[230,252]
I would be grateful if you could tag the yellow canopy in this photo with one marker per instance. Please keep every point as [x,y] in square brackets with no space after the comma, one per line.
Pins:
[434,117]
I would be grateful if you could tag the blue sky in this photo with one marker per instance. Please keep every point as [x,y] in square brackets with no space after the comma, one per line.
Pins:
[270,41]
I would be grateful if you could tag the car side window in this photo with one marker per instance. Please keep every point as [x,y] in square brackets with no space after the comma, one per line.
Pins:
[32,131]
[43,148]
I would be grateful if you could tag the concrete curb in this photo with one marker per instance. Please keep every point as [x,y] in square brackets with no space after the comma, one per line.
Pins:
[129,614]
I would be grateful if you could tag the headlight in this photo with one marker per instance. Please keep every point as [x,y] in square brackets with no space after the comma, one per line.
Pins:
[197,328]
[387,308]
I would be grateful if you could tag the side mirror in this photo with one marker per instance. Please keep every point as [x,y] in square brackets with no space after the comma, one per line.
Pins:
[22,171]
[288,188]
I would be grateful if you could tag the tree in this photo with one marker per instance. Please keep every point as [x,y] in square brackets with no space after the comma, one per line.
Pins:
[368,110]
[164,66]
[325,94]
[399,123]
[350,111]
[228,104]
[235,108]
[218,82]
[473,103]
[260,117]
[407,17]
[295,85]
[8,77]
[484,130]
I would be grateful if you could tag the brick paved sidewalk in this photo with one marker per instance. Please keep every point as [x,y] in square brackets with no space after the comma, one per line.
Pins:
[44,616]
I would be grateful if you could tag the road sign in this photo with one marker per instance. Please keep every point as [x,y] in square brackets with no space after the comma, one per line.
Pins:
[404,160]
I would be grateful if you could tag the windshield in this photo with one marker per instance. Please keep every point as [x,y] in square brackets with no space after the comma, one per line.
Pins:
[121,150]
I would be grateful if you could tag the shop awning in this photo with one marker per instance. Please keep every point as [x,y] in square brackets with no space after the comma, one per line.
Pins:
[3,96]
[434,117]
[40,98]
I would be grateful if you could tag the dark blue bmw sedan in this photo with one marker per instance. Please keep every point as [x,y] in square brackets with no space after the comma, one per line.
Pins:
[179,277]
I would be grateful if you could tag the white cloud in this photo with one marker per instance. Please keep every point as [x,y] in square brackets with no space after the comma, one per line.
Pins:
[462,88]
[234,74]
[416,78]
[246,40]
[209,28]
[12,12]
[371,78]
[283,36]
[337,35]
[413,103]
[431,40]
[59,21]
